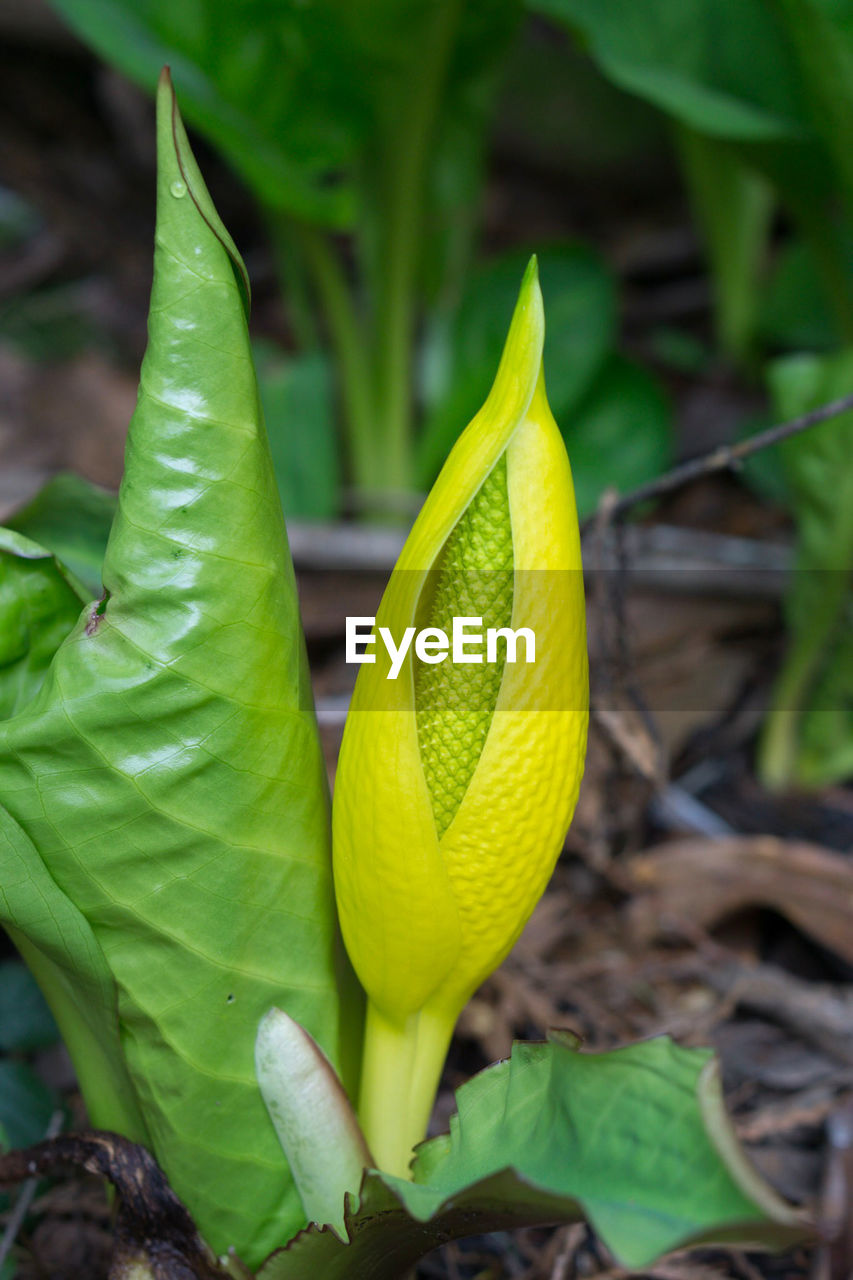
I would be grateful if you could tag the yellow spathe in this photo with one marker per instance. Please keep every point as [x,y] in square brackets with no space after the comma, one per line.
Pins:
[426,919]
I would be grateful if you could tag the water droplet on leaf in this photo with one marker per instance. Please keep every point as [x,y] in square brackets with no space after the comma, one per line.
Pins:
[178,189]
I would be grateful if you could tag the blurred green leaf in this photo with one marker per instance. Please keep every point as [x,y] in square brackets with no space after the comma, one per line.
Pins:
[734,207]
[26,1103]
[620,434]
[53,323]
[39,605]
[822,34]
[723,67]
[294,94]
[808,736]
[765,471]
[734,70]
[71,517]
[636,1140]
[580,303]
[795,314]
[273,86]
[25,1021]
[680,351]
[296,393]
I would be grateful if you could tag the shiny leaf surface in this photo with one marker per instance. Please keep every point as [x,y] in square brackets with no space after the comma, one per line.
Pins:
[168,781]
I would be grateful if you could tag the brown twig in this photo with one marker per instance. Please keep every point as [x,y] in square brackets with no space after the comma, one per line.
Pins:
[722,457]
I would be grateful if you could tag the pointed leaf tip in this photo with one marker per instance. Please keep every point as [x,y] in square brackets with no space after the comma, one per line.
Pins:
[175,155]
[312,1116]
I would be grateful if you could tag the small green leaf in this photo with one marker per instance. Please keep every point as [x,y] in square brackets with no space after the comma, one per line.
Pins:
[25,1021]
[71,517]
[794,313]
[620,434]
[636,1140]
[26,1104]
[39,604]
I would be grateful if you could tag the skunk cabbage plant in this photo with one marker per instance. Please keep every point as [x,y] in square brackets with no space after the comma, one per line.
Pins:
[165,859]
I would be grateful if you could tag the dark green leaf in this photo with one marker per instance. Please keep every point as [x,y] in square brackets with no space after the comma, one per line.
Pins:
[296,393]
[71,517]
[620,434]
[808,737]
[724,67]
[26,1103]
[636,1140]
[795,314]
[25,1021]
[39,604]
[270,87]
[822,34]
[172,782]
[580,305]
[733,206]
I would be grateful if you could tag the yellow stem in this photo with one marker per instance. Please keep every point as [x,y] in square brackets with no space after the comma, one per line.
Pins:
[400,1074]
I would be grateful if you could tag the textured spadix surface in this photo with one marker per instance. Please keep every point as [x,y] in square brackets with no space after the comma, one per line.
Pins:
[165,828]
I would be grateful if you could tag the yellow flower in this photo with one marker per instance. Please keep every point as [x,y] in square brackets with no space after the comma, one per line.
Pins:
[457,780]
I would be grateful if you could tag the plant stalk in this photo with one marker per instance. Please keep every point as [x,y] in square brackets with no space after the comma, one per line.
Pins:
[402,170]
[401,1070]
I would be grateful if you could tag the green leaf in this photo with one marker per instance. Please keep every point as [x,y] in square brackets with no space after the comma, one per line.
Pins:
[822,34]
[808,736]
[580,303]
[26,1104]
[271,89]
[733,206]
[71,517]
[794,312]
[25,1021]
[296,393]
[635,1139]
[620,434]
[62,952]
[723,67]
[731,70]
[293,94]
[171,777]
[39,604]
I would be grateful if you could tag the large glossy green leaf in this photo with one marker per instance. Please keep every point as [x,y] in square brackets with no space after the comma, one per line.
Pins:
[39,604]
[808,736]
[636,1140]
[169,773]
